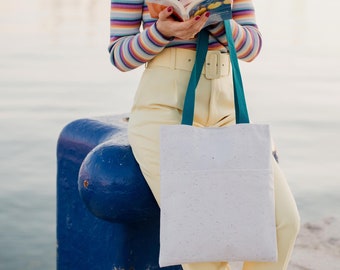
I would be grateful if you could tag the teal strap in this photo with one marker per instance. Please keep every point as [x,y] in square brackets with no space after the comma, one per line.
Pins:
[189,101]
[241,111]
[201,52]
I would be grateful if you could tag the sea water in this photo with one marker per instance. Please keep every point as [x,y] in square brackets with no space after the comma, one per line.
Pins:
[54,68]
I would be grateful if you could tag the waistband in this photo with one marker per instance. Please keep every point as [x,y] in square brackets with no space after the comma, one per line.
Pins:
[216,64]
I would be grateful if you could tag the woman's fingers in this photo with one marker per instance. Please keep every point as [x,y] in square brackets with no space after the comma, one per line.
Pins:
[183,30]
[165,13]
[193,26]
[198,22]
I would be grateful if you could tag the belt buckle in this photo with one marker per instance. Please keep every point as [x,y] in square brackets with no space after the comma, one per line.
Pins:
[213,65]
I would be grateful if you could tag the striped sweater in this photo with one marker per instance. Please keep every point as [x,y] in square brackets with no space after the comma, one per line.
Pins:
[130,46]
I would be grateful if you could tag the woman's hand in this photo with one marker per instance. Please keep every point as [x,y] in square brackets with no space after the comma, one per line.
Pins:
[170,28]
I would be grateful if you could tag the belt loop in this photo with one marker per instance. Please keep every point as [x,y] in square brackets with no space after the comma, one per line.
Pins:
[213,65]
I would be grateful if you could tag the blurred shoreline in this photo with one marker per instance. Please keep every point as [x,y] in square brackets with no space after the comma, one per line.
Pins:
[317,246]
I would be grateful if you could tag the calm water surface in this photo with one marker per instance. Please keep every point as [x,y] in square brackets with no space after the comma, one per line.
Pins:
[54,68]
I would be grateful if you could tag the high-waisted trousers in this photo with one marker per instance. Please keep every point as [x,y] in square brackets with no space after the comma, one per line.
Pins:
[159,101]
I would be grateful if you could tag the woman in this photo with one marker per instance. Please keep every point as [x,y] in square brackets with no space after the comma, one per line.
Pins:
[167,48]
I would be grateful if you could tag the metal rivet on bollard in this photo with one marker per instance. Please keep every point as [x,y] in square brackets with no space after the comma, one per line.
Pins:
[86,183]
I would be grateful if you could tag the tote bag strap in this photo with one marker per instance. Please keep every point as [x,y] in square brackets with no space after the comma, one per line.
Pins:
[241,111]
[189,101]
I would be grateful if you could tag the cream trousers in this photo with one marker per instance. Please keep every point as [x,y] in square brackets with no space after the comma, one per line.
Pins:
[159,101]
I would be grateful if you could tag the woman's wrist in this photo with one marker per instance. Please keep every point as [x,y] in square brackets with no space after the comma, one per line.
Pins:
[162,34]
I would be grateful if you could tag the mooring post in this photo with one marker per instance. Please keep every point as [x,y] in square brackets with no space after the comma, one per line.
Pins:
[107,217]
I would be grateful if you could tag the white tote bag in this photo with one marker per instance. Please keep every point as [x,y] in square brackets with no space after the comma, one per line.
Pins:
[217,190]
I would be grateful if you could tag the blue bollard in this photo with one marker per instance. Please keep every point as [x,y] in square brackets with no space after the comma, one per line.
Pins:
[107,217]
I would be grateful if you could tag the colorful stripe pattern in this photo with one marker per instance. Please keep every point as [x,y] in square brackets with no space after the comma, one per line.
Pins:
[131,47]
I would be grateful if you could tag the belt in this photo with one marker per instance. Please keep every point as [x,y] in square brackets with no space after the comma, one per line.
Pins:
[216,64]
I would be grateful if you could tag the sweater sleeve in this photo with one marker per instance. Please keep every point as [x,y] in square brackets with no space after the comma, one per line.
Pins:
[129,46]
[247,38]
